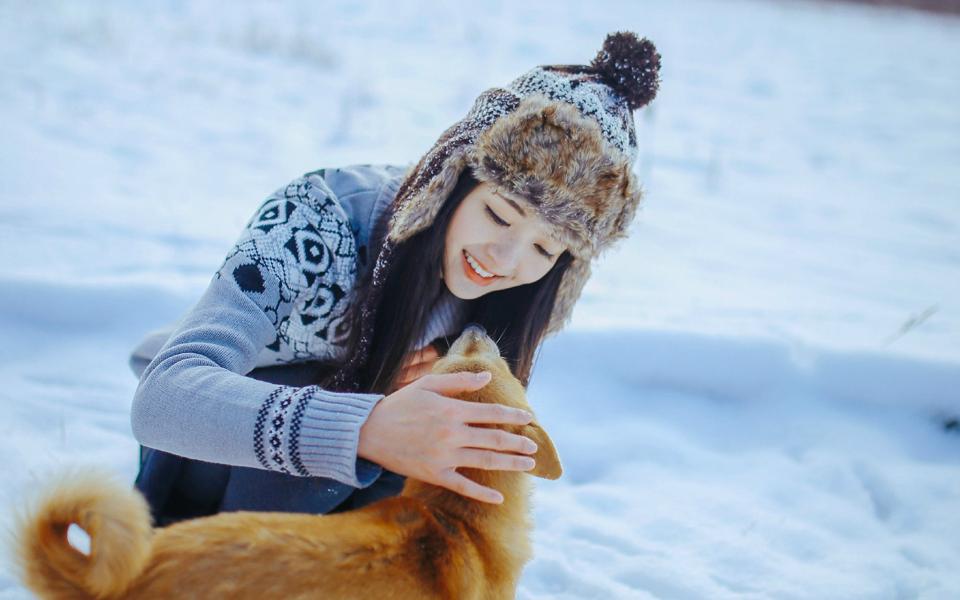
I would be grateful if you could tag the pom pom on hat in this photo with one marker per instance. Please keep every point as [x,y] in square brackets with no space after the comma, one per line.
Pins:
[630,66]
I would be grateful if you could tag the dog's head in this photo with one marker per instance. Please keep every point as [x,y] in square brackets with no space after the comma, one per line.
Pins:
[475,351]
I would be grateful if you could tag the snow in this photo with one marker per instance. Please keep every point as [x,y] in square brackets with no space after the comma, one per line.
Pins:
[753,398]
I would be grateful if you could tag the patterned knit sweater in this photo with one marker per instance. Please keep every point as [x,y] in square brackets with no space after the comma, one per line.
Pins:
[280,296]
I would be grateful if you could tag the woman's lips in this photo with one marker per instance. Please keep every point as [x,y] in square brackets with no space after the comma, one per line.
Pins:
[472,275]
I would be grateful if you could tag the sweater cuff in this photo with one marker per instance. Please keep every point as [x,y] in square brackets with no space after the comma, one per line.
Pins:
[329,435]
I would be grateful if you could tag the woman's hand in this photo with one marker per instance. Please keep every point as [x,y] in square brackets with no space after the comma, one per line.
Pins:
[420,432]
[416,364]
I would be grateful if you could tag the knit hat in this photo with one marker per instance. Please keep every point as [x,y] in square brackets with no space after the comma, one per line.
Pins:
[560,138]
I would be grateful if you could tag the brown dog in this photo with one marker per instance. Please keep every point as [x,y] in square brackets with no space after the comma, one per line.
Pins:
[427,542]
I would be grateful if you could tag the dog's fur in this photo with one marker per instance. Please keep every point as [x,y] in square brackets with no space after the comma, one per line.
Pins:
[428,542]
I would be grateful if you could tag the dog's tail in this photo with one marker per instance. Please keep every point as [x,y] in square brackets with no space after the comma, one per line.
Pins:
[114,516]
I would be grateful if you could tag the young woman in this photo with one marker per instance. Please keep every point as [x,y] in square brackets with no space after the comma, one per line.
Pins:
[299,381]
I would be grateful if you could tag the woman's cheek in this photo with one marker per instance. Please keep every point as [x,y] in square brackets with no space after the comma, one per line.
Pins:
[532,269]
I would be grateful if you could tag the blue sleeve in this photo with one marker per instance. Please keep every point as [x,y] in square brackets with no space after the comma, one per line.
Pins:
[290,274]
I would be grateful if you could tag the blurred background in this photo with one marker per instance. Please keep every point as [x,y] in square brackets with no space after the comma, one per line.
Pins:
[758,395]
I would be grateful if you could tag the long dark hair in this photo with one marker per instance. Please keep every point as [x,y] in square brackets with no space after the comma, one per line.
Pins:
[516,318]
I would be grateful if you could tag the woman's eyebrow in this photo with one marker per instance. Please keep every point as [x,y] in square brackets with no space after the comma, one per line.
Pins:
[512,203]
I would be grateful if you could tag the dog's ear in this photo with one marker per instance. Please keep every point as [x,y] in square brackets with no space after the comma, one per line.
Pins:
[548,462]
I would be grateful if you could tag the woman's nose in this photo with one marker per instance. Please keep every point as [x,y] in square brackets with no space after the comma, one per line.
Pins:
[507,256]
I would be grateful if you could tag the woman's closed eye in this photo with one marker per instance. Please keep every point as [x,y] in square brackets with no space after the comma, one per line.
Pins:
[543,251]
[496,219]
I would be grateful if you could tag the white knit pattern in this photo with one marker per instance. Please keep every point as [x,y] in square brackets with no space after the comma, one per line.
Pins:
[296,259]
[593,99]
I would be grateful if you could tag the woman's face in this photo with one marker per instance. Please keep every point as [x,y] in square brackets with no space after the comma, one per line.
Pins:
[493,243]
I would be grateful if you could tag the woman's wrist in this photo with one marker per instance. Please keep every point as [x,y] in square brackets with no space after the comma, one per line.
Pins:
[367,438]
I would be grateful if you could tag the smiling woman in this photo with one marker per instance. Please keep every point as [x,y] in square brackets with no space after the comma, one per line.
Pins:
[493,244]
[352,278]
[510,289]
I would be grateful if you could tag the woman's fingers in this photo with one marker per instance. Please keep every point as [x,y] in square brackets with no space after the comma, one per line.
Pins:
[411,374]
[454,383]
[427,354]
[472,412]
[494,461]
[484,412]
[415,372]
[421,432]
[464,486]
[415,365]
[497,439]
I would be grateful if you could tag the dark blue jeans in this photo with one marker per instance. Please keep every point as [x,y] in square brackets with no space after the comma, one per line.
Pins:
[178,488]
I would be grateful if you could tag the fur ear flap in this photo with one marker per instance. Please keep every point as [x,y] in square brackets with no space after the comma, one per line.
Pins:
[570,287]
[548,462]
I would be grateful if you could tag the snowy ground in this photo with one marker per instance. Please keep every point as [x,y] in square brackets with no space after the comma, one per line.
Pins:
[751,400]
